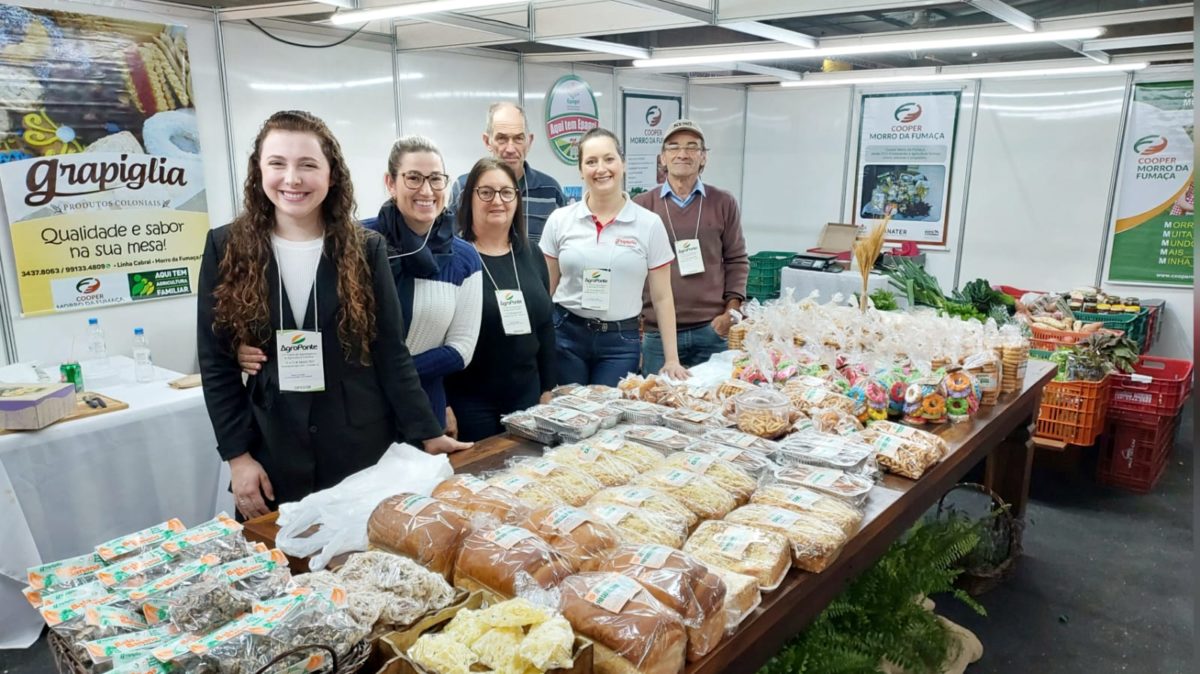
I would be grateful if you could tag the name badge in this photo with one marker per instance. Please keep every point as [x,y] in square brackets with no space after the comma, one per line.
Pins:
[513,315]
[596,286]
[298,358]
[691,260]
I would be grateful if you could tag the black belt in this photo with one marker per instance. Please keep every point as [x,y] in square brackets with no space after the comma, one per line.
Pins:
[597,325]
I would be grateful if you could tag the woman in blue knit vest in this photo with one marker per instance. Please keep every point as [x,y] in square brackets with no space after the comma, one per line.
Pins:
[438,275]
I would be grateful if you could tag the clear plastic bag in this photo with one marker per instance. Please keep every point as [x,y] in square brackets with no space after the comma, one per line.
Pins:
[419,527]
[649,499]
[700,494]
[725,474]
[220,536]
[493,560]
[523,425]
[851,488]
[640,526]
[742,596]
[531,493]
[625,621]
[664,439]
[570,425]
[582,538]
[808,502]
[410,590]
[763,412]
[590,457]
[905,456]
[763,555]
[571,486]
[642,457]
[207,602]
[831,420]
[814,543]
[478,499]
[260,576]
[640,412]
[609,416]
[831,451]
[736,438]
[692,422]
[750,461]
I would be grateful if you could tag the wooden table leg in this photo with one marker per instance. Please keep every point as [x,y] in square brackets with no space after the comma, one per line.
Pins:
[1010,466]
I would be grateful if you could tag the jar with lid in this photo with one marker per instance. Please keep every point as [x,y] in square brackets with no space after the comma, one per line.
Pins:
[763,412]
[1132,305]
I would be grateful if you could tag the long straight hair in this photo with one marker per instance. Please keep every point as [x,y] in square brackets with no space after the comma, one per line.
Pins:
[466,216]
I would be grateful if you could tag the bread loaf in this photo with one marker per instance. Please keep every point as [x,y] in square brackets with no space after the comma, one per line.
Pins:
[742,596]
[424,529]
[632,631]
[571,486]
[576,534]
[476,498]
[681,584]
[499,559]
[814,543]
[763,555]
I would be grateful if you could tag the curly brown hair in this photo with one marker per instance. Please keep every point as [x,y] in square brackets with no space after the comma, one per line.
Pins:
[241,296]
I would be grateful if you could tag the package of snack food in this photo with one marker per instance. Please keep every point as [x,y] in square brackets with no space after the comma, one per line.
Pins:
[425,529]
[731,387]
[589,457]
[103,650]
[609,416]
[681,584]
[132,543]
[831,420]
[763,555]
[654,501]
[808,397]
[571,486]
[497,559]
[640,412]
[824,507]
[631,629]
[815,543]
[693,422]
[570,425]
[640,526]
[700,494]
[832,451]
[64,573]
[476,498]
[742,596]
[659,437]
[846,486]
[906,457]
[261,576]
[763,412]
[530,493]
[205,602]
[577,534]
[736,438]
[641,456]
[133,571]
[753,463]
[937,442]
[727,475]
[221,536]
[523,425]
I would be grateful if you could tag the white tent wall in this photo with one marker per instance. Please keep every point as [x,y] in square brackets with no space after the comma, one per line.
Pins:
[721,113]
[170,323]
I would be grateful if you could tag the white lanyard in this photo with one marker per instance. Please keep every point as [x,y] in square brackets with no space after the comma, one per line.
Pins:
[687,251]
[667,208]
[423,243]
[491,278]
[298,354]
[514,317]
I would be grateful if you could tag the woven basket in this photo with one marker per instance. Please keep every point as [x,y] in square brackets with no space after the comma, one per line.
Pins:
[978,579]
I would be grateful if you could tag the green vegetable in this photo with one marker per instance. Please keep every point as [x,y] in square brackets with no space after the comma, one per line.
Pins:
[919,285]
[980,294]
[884,300]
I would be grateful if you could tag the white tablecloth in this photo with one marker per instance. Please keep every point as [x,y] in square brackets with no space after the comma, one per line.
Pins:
[66,488]
[804,281]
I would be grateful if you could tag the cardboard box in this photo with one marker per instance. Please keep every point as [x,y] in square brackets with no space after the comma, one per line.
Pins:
[28,407]
[836,239]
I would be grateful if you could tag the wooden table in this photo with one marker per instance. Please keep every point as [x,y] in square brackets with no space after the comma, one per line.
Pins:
[1001,434]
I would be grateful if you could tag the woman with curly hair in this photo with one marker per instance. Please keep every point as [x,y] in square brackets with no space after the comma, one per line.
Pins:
[296,276]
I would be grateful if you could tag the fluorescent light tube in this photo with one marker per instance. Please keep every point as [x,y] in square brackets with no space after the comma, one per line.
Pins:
[880,47]
[843,79]
[413,9]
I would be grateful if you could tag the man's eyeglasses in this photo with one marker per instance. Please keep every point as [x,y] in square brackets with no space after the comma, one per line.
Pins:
[507,194]
[691,148]
[413,180]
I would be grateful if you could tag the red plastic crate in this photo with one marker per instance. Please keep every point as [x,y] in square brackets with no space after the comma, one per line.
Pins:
[1015,293]
[1158,386]
[1135,456]
[1073,411]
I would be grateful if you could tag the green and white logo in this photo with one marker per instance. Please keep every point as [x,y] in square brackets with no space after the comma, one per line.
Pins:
[571,111]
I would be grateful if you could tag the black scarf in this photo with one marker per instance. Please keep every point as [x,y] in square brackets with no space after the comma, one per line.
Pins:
[408,265]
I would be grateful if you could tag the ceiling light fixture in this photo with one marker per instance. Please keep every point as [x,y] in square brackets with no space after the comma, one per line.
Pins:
[931,44]
[413,9]
[817,80]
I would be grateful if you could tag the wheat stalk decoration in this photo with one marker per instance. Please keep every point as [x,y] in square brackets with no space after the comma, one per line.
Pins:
[866,251]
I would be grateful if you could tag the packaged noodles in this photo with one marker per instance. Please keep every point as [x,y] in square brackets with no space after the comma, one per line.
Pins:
[648,499]
[640,526]
[727,475]
[571,486]
[808,502]
[589,457]
[815,544]
[700,494]
[476,498]
[763,555]
[851,488]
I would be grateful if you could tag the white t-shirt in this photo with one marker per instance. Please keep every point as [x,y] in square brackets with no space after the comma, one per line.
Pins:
[298,262]
[629,246]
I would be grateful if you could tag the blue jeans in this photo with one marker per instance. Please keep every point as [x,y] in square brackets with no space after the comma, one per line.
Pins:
[586,356]
[696,345]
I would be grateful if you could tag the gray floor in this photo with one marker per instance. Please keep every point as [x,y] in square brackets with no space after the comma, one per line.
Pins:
[1105,584]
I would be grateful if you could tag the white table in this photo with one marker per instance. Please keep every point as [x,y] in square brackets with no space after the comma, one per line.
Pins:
[804,281]
[70,486]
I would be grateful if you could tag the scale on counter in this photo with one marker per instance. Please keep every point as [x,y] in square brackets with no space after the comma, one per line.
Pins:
[816,262]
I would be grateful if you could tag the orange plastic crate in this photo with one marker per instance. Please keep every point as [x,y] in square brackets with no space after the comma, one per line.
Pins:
[1049,339]
[1073,411]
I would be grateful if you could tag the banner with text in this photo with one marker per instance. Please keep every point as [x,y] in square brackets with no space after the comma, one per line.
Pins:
[99,160]
[646,119]
[1152,236]
[905,153]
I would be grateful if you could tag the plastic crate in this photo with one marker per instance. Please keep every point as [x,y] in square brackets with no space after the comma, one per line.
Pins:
[1158,386]
[1073,411]
[1133,325]
[1049,339]
[1015,293]
[765,267]
[1154,321]
[1136,454]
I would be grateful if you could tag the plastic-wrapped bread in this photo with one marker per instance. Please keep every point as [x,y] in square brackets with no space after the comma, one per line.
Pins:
[851,488]
[576,534]
[808,502]
[424,529]
[814,543]
[639,526]
[632,631]
[658,437]
[700,494]
[762,555]
[742,596]
[736,438]
[501,559]
[727,476]
[750,461]
[531,493]
[572,486]
[475,498]
[680,583]
[653,501]
[846,453]
[589,457]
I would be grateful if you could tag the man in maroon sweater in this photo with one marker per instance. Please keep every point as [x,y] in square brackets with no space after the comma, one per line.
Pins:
[708,275]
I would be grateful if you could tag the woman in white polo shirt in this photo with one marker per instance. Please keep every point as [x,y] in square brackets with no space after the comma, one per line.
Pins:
[599,253]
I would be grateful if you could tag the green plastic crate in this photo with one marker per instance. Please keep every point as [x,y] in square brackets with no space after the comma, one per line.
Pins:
[765,267]
[1133,325]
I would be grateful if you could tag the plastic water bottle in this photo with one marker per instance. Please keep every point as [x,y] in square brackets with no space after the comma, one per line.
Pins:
[97,347]
[143,366]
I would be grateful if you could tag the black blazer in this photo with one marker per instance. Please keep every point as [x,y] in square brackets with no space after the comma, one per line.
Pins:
[311,441]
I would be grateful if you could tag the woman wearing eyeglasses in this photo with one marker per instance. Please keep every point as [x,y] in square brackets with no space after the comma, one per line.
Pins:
[513,366]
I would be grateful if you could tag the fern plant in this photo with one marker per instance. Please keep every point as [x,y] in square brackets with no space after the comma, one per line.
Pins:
[878,616]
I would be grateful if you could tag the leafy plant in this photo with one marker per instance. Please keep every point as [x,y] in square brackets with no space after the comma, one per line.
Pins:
[980,294]
[1119,351]
[877,617]
[914,282]
[884,300]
